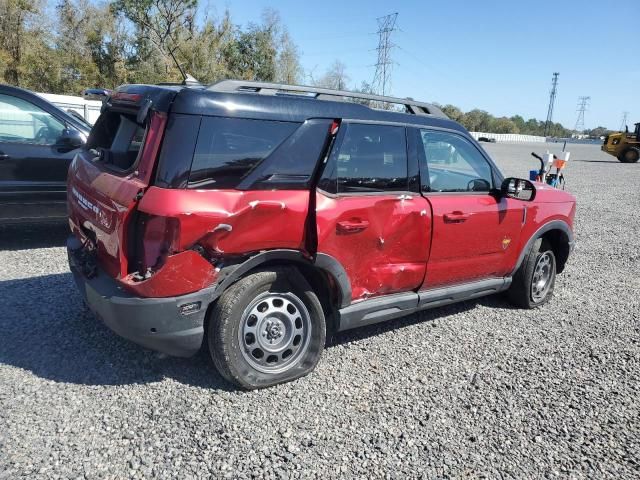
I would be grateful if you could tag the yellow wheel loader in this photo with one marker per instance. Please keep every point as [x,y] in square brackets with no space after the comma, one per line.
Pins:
[624,146]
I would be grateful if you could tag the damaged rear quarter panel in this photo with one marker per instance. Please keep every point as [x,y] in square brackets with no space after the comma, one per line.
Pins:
[259,220]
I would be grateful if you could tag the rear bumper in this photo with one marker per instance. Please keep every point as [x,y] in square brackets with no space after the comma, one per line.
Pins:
[161,324]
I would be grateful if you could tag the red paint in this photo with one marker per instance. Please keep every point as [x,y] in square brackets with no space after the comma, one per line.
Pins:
[109,200]
[381,241]
[387,243]
[259,220]
[468,235]
[185,272]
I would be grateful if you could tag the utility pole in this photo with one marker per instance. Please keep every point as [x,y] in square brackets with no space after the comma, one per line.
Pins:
[583,103]
[552,101]
[382,77]
[623,125]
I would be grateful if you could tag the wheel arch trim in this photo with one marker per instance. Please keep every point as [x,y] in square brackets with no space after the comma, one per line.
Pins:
[323,262]
[560,225]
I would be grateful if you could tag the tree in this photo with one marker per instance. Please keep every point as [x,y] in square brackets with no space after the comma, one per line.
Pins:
[453,112]
[287,62]
[252,55]
[502,125]
[477,121]
[15,16]
[335,77]
[165,24]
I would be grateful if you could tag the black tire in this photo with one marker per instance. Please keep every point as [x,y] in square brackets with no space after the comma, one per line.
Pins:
[522,292]
[629,155]
[230,349]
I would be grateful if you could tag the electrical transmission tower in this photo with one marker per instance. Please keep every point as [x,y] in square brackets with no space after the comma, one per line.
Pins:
[552,101]
[623,125]
[382,77]
[583,103]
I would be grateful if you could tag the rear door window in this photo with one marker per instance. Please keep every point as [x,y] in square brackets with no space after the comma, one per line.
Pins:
[371,158]
[229,148]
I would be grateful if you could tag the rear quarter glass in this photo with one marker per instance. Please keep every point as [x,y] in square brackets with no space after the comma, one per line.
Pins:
[227,149]
[177,151]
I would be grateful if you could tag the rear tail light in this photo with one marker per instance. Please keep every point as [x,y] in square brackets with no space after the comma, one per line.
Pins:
[155,239]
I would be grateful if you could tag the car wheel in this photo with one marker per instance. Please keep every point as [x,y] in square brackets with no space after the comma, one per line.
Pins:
[267,328]
[534,281]
[629,155]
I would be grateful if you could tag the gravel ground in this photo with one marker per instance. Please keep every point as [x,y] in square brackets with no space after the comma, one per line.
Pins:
[472,390]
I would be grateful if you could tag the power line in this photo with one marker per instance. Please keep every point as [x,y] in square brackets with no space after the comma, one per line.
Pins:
[382,76]
[552,101]
[583,103]
[623,124]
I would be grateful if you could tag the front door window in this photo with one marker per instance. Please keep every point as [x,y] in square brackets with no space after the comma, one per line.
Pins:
[23,122]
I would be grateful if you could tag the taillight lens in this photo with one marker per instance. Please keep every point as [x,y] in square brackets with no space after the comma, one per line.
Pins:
[156,238]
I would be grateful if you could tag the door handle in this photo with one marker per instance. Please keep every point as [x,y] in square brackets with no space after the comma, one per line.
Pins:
[351,226]
[4,156]
[404,197]
[455,217]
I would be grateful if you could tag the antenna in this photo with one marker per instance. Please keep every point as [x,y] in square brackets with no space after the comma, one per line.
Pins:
[623,124]
[583,103]
[552,101]
[382,77]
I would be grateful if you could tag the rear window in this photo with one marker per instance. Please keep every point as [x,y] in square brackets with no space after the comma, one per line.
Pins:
[118,138]
[229,148]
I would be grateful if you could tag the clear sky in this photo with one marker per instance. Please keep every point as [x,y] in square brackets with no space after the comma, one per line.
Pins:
[495,55]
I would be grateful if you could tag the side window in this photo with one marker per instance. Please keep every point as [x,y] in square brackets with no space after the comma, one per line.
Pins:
[371,158]
[23,122]
[450,163]
[229,148]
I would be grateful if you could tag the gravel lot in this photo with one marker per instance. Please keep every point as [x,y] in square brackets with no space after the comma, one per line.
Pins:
[472,390]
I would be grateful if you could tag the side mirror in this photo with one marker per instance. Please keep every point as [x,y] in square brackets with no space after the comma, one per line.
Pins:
[518,188]
[70,139]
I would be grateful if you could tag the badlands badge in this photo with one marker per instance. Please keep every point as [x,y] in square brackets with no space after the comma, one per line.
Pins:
[506,241]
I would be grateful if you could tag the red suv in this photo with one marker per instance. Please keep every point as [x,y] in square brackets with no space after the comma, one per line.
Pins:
[264,214]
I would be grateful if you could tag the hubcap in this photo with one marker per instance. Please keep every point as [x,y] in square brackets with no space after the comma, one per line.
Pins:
[274,332]
[542,277]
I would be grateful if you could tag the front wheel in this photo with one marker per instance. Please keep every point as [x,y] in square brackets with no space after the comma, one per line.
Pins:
[267,328]
[630,155]
[534,281]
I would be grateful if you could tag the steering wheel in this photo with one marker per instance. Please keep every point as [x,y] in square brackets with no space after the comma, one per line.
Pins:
[478,185]
[42,136]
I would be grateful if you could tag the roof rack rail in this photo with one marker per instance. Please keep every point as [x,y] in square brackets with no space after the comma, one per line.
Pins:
[266,88]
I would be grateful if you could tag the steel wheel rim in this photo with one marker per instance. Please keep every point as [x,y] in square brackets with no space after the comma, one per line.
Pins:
[542,274]
[274,332]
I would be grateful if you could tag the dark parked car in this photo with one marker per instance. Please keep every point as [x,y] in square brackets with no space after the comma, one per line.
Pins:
[487,139]
[265,217]
[37,143]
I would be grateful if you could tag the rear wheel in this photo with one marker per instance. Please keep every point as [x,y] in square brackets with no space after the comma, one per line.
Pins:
[267,328]
[534,281]
[630,155]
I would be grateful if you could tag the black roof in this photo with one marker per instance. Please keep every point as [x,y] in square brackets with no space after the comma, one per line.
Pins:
[200,100]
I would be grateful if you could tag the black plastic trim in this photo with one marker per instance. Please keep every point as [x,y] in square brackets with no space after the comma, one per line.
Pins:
[552,225]
[232,273]
[387,307]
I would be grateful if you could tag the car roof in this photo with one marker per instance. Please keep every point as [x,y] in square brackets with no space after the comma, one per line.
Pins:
[201,100]
[44,104]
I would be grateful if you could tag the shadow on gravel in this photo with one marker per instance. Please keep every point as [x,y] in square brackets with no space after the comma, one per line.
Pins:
[46,329]
[428,317]
[26,236]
